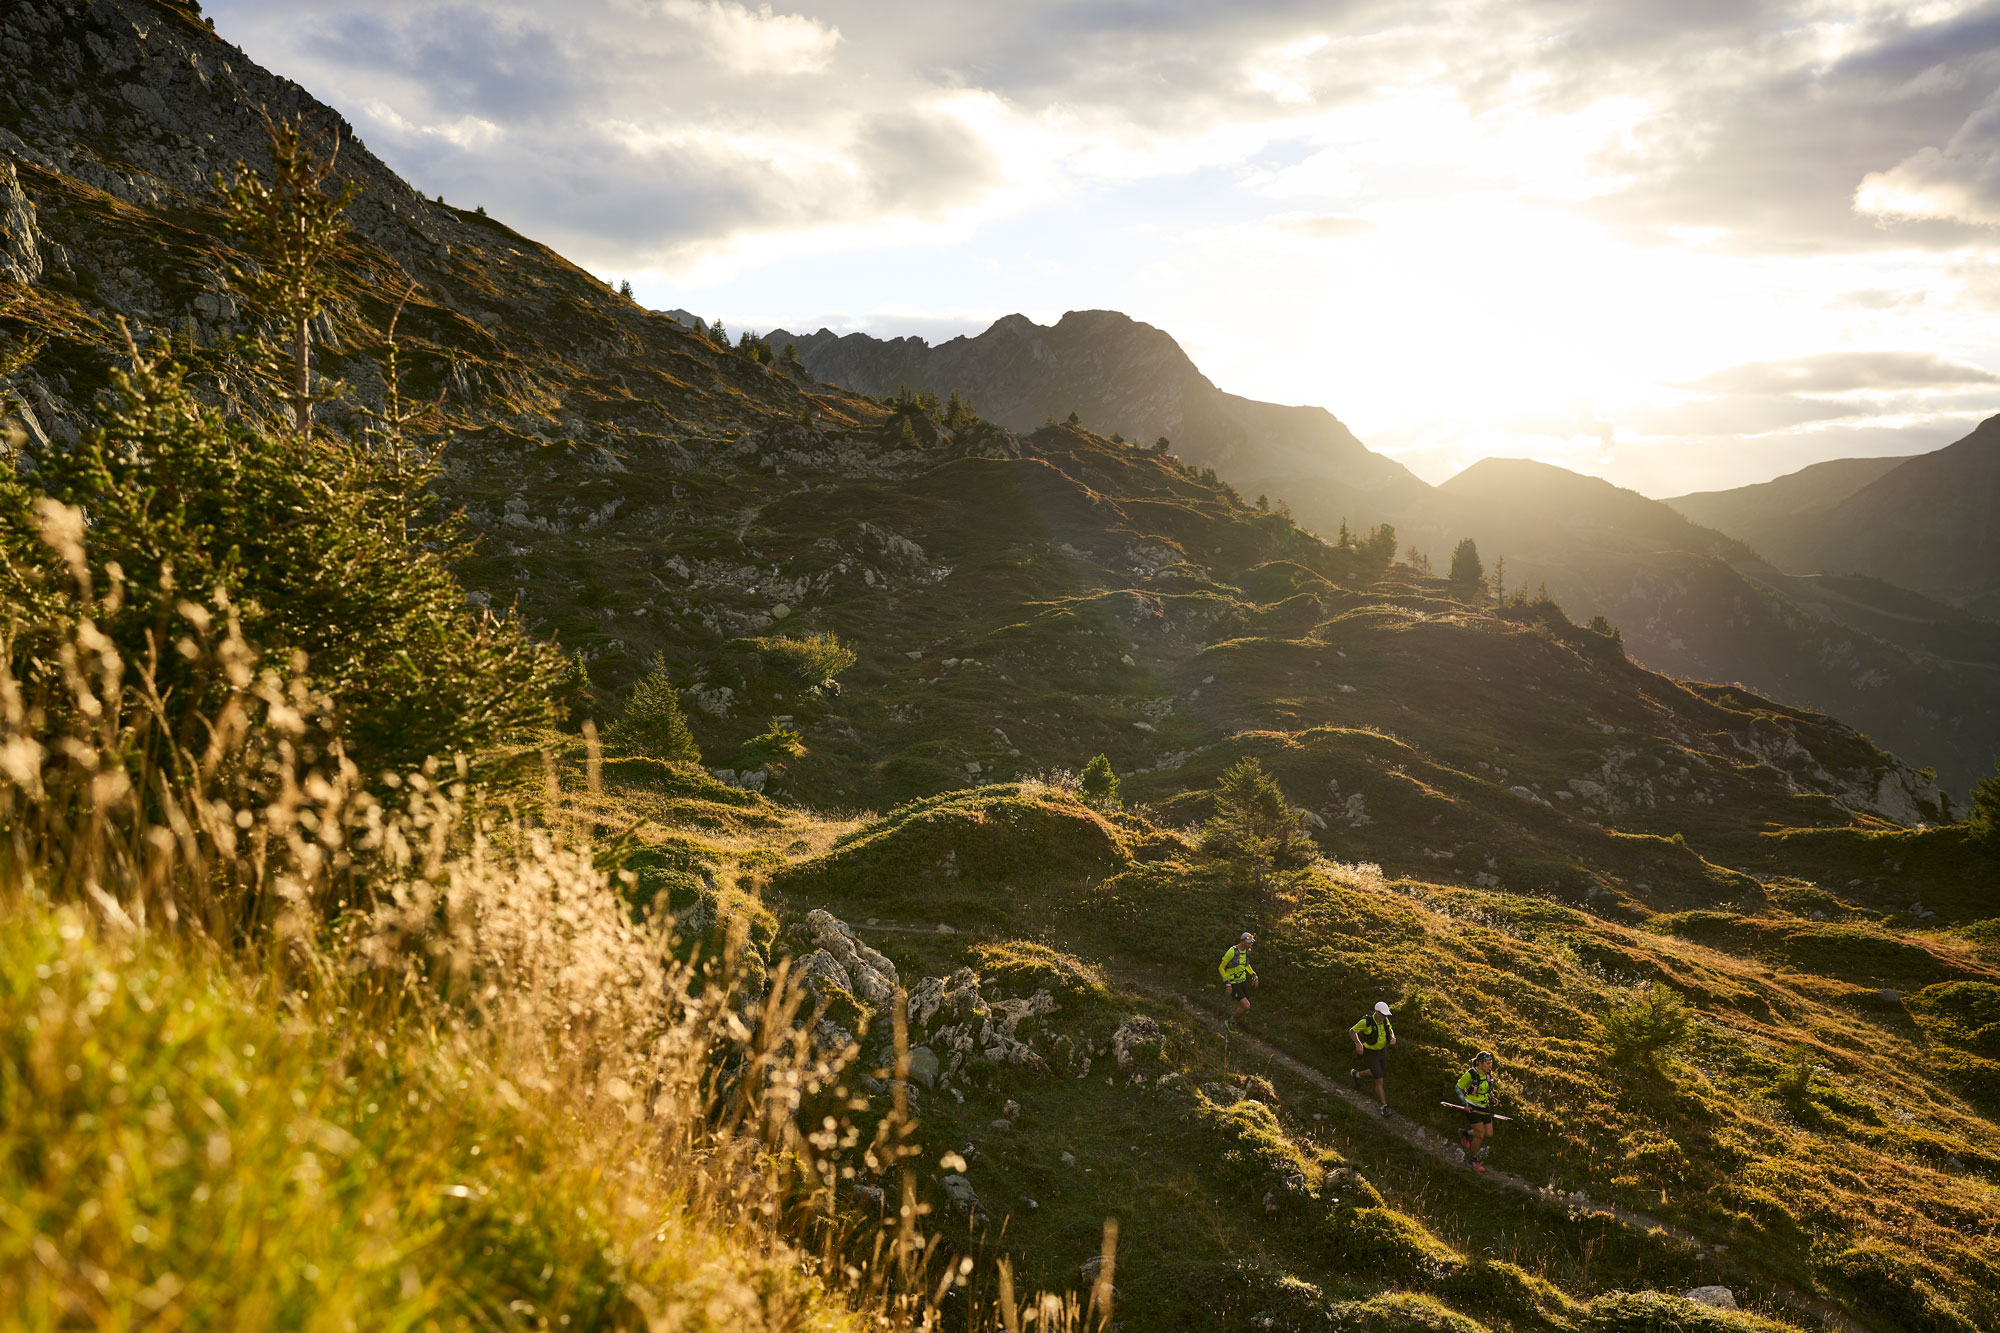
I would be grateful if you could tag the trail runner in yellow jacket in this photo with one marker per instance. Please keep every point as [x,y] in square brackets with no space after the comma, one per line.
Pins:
[1481,1098]
[1373,1036]
[1238,977]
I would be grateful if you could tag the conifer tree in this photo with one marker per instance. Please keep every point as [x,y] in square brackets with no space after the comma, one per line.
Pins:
[285,233]
[625,288]
[1984,821]
[1466,569]
[1255,825]
[1099,784]
[652,723]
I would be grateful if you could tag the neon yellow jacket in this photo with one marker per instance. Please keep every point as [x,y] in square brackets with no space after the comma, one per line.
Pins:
[1476,1089]
[1374,1032]
[1236,964]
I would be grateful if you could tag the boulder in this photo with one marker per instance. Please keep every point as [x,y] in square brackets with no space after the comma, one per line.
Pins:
[1132,1034]
[963,1199]
[871,978]
[924,1066]
[1720,1298]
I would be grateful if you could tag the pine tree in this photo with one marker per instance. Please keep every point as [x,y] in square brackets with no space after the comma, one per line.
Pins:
[1073,420]
[1379,546]
[1255,825]
[1466,569]
[288,230]
[652,723]
[625,288]
[573,695]
[1099,784]
[1983,823]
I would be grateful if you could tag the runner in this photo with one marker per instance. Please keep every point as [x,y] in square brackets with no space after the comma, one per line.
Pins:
[1238,977]
[1373,1036]
[1479,1097]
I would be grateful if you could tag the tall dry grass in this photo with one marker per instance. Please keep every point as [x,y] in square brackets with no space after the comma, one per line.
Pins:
[277,1052]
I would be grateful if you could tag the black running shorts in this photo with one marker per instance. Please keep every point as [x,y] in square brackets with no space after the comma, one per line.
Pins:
[1240,990]
[1378,1061]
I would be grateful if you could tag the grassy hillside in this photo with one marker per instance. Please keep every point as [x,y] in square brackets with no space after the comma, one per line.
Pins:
[606,1037]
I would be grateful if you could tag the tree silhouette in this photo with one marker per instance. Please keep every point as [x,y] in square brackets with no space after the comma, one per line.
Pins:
[1466,568]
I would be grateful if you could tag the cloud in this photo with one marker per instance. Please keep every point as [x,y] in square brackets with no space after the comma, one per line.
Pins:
[1324,228]
[1959,182]
[1846,372]
[758,42]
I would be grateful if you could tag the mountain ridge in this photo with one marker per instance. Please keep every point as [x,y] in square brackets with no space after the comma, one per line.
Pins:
[1120,375]
[1930,522]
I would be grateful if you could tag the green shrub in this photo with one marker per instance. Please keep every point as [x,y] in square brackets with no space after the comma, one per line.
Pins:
[1099,784]
[1648,1026]
[653,723]
[1795,1074]
[809,661]
[779,742]
[1983,822]
[280,534]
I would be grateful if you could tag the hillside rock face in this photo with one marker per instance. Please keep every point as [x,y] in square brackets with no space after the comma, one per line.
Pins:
[1931,523]
[1120,375]
[115,118]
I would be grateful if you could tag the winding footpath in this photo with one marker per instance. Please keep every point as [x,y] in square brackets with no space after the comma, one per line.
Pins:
[1576,1205]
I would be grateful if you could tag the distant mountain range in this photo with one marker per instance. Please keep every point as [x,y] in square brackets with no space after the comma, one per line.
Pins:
[1931,522]
[1788,587]
[1124,376]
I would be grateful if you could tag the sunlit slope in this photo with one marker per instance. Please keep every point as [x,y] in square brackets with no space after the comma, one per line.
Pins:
[1794,1145]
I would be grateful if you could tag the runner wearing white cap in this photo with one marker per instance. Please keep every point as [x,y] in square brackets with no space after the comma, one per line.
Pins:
[1373,1036]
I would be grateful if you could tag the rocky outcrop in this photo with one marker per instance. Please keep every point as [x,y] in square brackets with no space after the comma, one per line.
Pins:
[20,246]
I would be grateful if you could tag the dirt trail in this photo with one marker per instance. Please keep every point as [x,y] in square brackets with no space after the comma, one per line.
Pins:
[1422,1137]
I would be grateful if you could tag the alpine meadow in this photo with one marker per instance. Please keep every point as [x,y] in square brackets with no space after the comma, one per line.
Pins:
[524,810]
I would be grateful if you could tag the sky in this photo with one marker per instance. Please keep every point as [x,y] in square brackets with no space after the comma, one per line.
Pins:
[1682,244]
